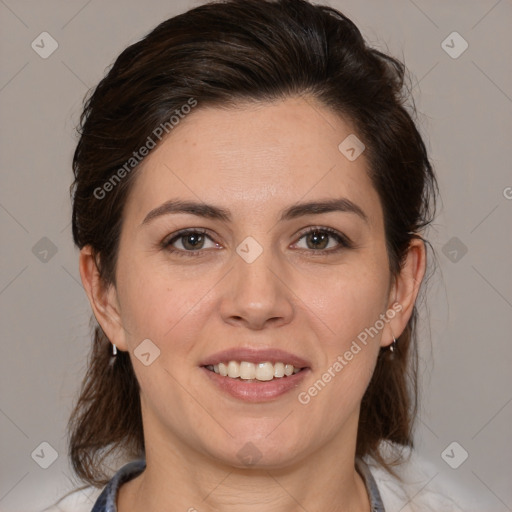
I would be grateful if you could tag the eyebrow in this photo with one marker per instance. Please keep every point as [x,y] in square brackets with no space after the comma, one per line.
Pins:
[293,212]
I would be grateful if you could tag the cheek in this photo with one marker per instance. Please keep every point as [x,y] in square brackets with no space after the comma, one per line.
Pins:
[350,303]
[348,300]
[350,346]
[162,305]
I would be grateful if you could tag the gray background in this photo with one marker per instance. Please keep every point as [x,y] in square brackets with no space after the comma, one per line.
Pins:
[465,107]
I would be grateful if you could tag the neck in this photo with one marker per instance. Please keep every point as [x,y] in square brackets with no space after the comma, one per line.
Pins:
[195,484]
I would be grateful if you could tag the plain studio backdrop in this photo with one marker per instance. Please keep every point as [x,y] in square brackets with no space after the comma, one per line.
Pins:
[459,55]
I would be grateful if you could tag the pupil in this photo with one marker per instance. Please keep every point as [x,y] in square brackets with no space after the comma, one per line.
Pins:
[317,236]
[195,238]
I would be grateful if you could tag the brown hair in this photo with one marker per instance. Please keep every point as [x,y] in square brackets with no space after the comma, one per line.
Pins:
[221,54]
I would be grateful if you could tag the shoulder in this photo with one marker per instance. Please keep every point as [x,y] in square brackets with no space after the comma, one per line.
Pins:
[92,499]
[423,488]
[79,500]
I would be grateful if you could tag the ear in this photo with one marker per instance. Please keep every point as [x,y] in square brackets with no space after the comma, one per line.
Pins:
[103,299]
[404,290]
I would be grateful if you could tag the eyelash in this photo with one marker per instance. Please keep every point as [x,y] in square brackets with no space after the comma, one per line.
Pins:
[345,242]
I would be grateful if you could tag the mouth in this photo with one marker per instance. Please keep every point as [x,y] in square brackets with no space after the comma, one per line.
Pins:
[254,372]
[255,382]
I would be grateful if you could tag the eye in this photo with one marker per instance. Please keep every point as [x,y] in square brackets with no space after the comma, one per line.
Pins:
[325,240]
[190,240]
[319,240]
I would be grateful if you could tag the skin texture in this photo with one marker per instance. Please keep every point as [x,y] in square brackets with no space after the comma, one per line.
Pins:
[254,161]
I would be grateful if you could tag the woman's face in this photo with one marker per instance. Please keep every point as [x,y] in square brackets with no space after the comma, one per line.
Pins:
[253,279]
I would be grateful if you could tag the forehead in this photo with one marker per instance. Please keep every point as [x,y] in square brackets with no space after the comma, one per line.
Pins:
[257,158]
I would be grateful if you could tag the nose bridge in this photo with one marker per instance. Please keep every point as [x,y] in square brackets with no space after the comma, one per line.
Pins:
[257,293]
[255,274]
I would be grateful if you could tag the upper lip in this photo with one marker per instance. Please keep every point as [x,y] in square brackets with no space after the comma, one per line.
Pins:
[252,355]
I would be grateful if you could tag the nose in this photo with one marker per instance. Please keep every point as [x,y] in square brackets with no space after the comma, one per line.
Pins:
[256,294]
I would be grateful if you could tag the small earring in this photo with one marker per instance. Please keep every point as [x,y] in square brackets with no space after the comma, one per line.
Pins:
[393,345]
[113,357]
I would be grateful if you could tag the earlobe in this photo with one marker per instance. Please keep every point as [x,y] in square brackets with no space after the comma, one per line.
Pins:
[103,299]
[405,290]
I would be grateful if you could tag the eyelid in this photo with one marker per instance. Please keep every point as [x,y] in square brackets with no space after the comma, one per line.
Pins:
[168,241]
[343,241]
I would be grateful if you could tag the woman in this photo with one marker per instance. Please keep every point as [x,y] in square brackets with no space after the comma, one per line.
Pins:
[250,200]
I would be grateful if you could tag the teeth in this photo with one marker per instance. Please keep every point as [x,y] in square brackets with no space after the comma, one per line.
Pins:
[264,371]
[249,371]
[233,369]
[279,370]
[223,369]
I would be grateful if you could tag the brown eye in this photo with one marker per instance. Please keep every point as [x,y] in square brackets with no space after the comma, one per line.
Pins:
[190,241]
[317,240]
[324,240]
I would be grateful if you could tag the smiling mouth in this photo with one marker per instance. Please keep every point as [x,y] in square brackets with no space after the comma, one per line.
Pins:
[253,372]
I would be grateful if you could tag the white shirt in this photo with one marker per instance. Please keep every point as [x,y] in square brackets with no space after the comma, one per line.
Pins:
[423,490]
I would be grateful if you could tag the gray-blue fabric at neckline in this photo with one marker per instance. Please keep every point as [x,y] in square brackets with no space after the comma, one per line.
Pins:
[106,501]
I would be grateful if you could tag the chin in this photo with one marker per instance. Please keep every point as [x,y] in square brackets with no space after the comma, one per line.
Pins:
[264,452]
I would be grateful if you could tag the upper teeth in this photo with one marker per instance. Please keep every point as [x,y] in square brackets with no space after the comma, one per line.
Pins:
[248,371]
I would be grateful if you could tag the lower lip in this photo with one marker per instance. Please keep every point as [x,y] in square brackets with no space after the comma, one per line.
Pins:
[256,391]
